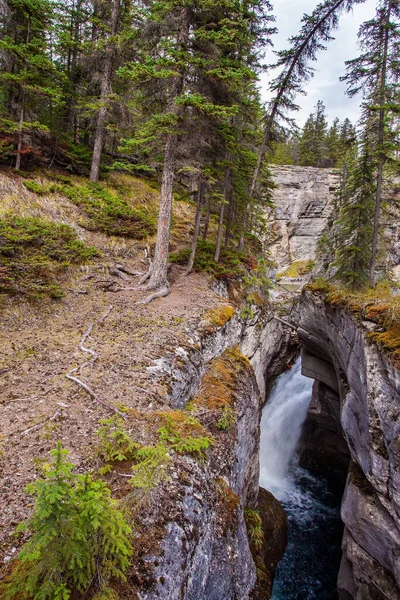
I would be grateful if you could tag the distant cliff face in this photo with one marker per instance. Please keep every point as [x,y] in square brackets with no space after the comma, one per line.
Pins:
[304,201]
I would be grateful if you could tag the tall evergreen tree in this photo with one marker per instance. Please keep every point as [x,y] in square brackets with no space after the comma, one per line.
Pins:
[313,150]
[376,73]
[295,69]
[354,223]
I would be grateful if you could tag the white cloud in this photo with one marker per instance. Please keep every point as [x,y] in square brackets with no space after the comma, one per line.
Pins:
[325,84]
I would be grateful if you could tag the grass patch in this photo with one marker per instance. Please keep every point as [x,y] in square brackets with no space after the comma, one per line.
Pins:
[254,528]
[232,263]
[34,254]
[107,210]
[378,305]
[297,269]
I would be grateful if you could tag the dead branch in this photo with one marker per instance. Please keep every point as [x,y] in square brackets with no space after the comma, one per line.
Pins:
[115,272]
[94,357]
[285,323]
[56,415]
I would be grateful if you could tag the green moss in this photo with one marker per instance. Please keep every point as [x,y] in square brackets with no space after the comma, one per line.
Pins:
[219,384]
[374,304]
[220,315]
[109,212]
[297,269]
[34,253]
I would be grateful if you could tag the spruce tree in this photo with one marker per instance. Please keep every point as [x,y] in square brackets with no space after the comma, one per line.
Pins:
[28,75]
[79,539]
[376,74]
[355,221]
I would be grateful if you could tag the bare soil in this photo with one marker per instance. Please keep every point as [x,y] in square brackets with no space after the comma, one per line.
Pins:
[39,346]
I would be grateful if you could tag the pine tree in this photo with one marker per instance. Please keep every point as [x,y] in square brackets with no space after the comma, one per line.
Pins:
[296,71]
[354,223]
[376,73]
[28,76]
[79,539]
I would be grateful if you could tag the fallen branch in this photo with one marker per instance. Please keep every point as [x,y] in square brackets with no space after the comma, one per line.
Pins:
[285,323]
[94,357]
[56,415]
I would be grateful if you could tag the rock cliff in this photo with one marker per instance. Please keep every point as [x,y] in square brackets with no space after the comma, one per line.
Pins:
[201,549]
[303,198]
[366,387]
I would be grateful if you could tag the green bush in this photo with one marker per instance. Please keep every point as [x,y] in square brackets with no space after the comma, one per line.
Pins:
[34,253]
[109,212]
[231,264]
[79,539]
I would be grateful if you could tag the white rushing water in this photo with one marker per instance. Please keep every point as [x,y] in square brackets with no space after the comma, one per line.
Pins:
[281,424]
[309,568]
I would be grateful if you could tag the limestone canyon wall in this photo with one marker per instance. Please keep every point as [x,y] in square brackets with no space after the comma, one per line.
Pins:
[304,201]
[366,386]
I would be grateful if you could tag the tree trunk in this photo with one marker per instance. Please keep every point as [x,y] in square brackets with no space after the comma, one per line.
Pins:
[105,90]
[159,269]
[207,221]
[221,216]
[158,276]
[20,136]
[200,203]
[381,139]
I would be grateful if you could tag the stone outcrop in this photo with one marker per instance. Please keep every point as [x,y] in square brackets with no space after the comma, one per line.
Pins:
[201,550]
[368,389]
[303,199]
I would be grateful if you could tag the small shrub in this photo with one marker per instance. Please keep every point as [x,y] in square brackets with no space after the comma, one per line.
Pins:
[179,432]
[116,444]
[254,528]
[79,539]
[232,264]
[227,418]
[34,253]
[109,212]
[35,187]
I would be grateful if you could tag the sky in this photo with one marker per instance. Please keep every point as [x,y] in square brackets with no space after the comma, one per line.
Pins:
[325,84]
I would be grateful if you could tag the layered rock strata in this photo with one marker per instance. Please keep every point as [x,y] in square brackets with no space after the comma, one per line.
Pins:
[368,387]
[303,198]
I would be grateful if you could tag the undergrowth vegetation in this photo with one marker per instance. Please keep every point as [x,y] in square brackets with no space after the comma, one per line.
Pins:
[254,528]
[297,269]
[79,540]
[178,432]
[378,305]
[231,263]
[219,384]
[34,253]
[107,210]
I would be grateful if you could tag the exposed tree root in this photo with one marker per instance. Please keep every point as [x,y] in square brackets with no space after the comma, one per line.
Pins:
[94,357]
[160,293]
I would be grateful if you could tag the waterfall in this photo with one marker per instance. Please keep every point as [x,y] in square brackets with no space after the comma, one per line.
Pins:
[308,571]
[281,425]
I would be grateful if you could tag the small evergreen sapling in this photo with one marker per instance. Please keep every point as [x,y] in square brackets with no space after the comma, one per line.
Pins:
[79,542]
